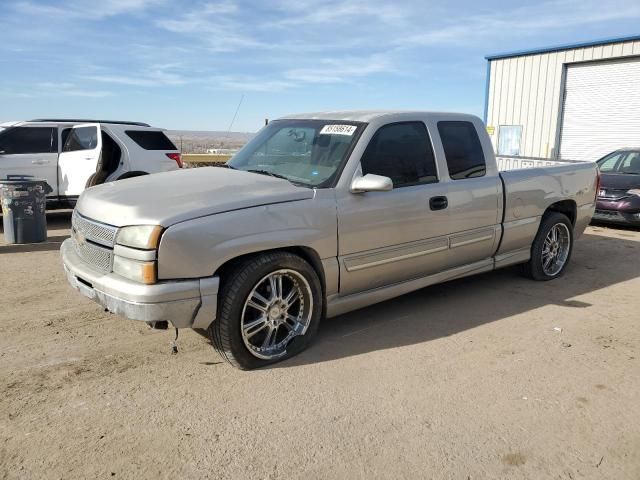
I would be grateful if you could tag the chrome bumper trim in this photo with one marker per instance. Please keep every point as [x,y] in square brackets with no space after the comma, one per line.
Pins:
[183,303]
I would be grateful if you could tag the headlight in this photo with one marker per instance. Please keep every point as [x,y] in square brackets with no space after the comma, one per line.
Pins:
[140,236]
[143,272]
[634,191]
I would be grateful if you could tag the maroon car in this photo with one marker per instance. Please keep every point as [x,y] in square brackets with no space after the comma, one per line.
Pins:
[619,193]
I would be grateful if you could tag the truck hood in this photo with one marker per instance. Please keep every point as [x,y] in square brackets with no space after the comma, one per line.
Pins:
[172,197]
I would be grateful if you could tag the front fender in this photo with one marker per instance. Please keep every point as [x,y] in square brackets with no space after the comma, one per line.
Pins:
[197,248]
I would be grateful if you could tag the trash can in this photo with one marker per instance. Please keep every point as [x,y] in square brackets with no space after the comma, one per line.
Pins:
[23,208]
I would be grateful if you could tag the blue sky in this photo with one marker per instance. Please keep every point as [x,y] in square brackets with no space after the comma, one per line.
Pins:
[186,64]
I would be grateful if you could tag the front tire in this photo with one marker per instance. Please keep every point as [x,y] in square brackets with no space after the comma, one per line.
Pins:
[551,249]
[269,310]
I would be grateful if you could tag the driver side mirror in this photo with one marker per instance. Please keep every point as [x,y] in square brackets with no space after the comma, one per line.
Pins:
[371,183]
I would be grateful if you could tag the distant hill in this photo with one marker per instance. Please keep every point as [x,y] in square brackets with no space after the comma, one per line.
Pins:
[197,141]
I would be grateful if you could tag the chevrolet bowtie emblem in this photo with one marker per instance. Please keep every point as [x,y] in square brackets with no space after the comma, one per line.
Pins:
[80,238]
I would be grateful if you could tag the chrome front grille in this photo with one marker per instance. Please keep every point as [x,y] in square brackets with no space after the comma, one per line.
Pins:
[93,242]
[94,231]
[97,257]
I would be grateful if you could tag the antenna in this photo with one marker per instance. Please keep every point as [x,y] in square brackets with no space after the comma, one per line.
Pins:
[235,114]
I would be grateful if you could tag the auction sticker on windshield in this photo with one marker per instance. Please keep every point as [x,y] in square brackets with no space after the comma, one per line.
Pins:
[338,130]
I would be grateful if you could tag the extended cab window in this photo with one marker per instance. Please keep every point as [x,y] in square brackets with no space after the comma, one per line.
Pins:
[20,140]
[462,149]
[402,152]
[81,138]
[151,140]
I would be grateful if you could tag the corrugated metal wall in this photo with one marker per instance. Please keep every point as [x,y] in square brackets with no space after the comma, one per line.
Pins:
[526,91]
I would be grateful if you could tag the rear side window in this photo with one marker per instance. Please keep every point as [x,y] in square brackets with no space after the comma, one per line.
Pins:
[81,138]
[64,135]
[151,140]
[19,140]
[402,152]
[462,149]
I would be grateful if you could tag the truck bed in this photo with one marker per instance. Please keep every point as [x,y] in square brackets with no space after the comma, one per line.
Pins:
[529,192]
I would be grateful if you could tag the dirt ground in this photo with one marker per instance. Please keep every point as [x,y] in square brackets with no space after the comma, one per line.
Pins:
[492,376]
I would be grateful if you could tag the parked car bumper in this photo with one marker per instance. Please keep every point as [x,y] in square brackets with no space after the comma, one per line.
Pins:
[183,303]
[617,217]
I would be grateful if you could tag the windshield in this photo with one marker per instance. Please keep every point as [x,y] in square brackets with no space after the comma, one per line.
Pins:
[623,162]
[306,152]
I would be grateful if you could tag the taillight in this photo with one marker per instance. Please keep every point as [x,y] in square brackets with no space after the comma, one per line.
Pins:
[176,157]
[599,179]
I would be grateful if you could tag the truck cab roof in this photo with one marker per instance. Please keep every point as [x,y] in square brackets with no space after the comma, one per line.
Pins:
[368,116]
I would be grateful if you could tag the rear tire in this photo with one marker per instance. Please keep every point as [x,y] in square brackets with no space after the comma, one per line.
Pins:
[551,249]
[269,310]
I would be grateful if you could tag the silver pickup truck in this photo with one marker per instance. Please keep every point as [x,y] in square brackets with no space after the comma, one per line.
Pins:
[318,215]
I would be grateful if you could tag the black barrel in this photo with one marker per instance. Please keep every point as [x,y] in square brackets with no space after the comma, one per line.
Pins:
[23,209]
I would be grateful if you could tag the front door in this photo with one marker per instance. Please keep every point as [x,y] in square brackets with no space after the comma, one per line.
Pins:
[388,237]
[30,151]
[79,158]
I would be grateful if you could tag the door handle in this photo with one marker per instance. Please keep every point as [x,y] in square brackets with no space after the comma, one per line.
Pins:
[39,162]
[438,203]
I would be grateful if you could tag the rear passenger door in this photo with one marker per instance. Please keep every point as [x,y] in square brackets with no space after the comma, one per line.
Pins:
[388,237]
[30,151]
[473,191]
[79,158]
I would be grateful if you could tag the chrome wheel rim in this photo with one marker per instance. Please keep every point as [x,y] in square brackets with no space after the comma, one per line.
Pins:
[555,249]
[277,310]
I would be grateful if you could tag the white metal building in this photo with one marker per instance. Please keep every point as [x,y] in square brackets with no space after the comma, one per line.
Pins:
[575,102]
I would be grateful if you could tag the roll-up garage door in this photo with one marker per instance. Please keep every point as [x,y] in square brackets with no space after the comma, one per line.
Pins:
[601,109]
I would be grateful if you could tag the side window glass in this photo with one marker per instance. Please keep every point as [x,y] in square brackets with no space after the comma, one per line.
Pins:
[151,139]
[64,135]
[631,164]
[81,138]
[21,140]
[402,152]
[462,149]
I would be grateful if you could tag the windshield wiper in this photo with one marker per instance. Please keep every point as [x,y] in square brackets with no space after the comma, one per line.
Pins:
[224,165]
[267,172]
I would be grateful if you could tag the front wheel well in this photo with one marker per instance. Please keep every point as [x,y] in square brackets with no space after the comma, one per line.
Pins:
[566,207]
[306,253]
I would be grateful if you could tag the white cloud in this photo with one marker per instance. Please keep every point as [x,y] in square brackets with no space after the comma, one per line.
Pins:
[319,12]
[55,86]
[73,9]
[333,70]
[57,90]
[213,27]
[528,20]
[247,83]
[153,76]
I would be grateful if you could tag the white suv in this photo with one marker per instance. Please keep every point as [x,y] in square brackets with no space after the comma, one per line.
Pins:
[72,155]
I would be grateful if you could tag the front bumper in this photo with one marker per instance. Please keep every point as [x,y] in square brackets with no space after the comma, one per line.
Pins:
[183,303]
